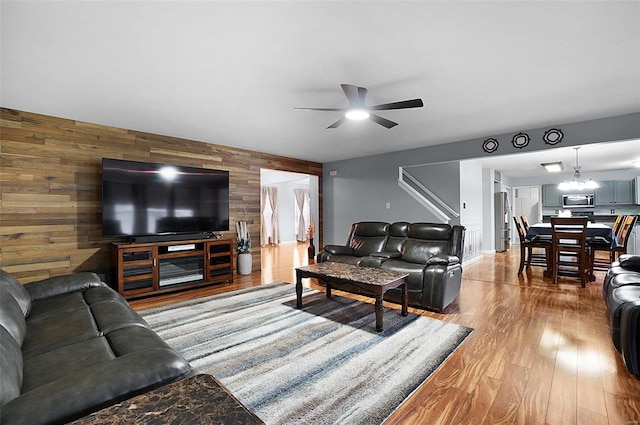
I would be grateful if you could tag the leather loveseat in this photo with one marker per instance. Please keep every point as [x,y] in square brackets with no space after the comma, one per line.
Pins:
[621,293]
[70,345]
[430,252]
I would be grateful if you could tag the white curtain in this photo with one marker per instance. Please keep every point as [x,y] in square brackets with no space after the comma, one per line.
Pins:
[270,231]
[302,212]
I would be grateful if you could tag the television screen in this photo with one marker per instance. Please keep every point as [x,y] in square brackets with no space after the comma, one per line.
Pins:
[140,198]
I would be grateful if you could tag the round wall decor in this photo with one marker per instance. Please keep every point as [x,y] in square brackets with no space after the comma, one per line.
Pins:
[520,140]
[490,145]
[552,136]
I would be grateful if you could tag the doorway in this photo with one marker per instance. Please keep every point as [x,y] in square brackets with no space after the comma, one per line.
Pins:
[286,183]
[526,202]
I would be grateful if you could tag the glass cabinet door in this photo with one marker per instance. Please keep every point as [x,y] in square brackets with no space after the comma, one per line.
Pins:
[137,270]
[219,259]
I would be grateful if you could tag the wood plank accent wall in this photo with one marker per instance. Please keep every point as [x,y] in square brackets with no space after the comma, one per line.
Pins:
[50,188]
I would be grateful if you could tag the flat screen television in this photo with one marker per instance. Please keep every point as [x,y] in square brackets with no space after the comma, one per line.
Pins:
[145,199]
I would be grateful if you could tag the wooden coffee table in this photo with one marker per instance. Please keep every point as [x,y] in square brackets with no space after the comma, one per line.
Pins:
[369,281]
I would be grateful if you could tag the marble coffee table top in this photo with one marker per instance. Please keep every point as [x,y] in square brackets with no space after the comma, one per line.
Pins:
[348,272]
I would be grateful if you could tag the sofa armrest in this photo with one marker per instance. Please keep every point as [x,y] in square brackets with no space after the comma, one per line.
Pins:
[386,254]
[82,392]
[630,262]
[59,285]
[371,261]
[443,260]
[338,249]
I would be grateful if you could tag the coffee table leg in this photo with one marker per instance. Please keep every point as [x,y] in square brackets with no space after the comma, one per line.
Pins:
[379,313]
[328,286]
[405,298]
[298,291]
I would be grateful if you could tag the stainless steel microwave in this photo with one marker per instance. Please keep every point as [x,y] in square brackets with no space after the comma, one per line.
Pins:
[578,200]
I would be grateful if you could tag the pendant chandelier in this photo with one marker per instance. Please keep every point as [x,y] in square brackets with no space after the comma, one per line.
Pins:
[577,183]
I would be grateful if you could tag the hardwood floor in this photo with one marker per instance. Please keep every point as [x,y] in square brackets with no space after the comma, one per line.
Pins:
[540,353]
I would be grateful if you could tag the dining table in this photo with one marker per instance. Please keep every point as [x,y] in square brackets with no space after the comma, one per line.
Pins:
[593,230]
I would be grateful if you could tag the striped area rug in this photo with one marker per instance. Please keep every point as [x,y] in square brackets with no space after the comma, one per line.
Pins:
[322,364]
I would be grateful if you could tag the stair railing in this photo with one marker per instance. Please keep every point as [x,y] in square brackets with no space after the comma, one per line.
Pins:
[431,202]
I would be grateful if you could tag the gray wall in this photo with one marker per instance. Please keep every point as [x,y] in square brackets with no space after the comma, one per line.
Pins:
[363,186]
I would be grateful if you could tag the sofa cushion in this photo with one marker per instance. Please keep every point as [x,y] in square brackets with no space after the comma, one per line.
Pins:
[56,364]
[10,367]
[112,315]
[369,237]
[15,288]
[59,306]
[397,236]
[420,251]
[135,338]
[64,284]
[11,317]
[79,393]
[371,229]
[53,332]
[429,231]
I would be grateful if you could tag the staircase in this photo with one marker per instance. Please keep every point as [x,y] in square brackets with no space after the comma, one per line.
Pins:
[425,197]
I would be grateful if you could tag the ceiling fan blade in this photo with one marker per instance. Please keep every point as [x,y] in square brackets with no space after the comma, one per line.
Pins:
[405,104]
[322,109]
[382,121]
[351,92]
[362,93]
[338,123]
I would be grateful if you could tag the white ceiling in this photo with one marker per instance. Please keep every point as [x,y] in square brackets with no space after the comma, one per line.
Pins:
[231,72]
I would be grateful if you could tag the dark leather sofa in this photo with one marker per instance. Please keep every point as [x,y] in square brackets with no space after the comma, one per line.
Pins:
[621,293]
[430,252]
[70,345]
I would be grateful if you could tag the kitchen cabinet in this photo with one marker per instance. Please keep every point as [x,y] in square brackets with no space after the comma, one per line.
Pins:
[604,193]
[615,192]
[551,196]
[623,192]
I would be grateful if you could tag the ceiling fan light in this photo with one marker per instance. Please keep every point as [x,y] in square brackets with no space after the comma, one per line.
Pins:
[357,114]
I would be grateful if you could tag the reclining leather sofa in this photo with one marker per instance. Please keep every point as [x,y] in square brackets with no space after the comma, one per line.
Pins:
[621,293]
[430,252]
[70,345]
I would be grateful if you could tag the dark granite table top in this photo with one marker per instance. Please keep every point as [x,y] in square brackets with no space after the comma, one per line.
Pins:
[348,272]
[196,400]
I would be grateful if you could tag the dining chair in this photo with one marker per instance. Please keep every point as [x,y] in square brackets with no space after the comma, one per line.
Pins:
[623,238]
[525,223]
[617,225]
[605,245]
[571,255]
[527,256]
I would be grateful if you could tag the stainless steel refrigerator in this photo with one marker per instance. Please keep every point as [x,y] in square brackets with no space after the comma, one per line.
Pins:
[502,221]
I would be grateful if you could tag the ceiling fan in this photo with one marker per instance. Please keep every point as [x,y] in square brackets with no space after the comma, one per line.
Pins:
[358,110]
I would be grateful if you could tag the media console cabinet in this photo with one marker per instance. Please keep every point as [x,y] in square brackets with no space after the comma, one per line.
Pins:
[151,268]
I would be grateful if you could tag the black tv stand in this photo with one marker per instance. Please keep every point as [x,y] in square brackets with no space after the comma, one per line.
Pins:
[169,237]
